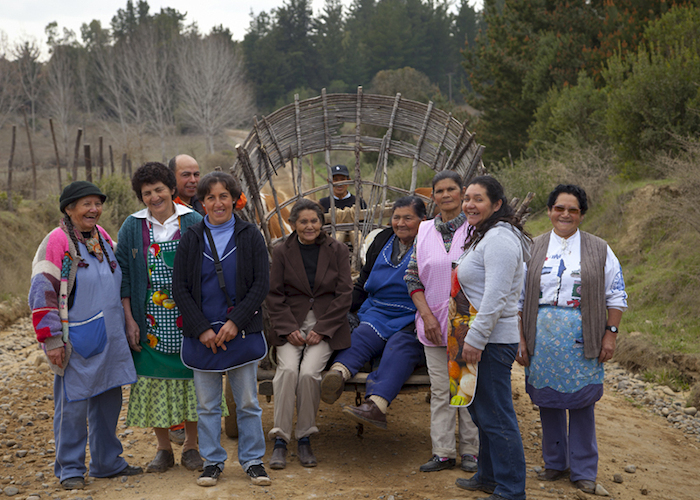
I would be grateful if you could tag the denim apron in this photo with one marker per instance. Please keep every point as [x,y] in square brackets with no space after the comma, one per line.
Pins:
[389,307]
[101,358]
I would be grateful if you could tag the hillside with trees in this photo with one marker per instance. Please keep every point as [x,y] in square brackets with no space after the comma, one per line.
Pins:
[604,93]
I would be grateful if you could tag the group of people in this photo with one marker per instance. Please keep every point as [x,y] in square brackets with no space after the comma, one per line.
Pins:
[178,303]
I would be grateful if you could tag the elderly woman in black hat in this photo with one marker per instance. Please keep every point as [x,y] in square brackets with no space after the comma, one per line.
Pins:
[79,321]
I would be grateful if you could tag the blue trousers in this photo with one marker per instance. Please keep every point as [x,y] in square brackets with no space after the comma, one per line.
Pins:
[74,421]
[501,454]
[400,355]
[251,440]
[577,449]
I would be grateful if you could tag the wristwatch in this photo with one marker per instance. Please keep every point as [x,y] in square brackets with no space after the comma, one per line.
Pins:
[611,328]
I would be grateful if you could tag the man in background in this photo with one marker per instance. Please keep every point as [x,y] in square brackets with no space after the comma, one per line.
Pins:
[343,199]
[186,170]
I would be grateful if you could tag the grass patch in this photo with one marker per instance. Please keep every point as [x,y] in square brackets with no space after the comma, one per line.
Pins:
[670,377]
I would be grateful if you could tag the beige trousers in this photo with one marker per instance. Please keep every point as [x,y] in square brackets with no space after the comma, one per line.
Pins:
[298,377]
[442,415]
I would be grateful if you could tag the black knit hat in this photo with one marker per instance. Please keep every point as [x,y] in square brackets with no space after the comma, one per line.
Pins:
[79,189]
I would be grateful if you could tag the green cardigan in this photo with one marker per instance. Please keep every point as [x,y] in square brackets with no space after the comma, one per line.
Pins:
[130,256]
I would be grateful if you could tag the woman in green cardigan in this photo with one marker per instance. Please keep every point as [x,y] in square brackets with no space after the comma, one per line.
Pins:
[164,394]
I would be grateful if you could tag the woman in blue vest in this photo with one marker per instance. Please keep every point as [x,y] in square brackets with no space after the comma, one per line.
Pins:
[164,394]
[386,314]
[220,280]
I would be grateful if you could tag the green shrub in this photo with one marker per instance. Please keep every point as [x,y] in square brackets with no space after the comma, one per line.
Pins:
[121,201]
[16,200]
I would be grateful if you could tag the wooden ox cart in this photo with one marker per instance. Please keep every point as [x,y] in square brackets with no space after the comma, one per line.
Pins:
[421,133]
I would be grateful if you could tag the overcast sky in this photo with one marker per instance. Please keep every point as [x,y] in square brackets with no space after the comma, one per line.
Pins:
[28,18]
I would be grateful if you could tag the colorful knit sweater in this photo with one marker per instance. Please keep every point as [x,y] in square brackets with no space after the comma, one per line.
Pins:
[53,276]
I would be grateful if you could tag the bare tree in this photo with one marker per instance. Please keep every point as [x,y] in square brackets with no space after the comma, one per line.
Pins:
[120,102]
[214,93]
[27,53]
[9,92]
[153,67]
[61,91]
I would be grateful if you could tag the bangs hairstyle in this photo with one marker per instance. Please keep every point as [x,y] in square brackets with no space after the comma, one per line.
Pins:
[411,201]
[573,190]
[152,173]
[448,174]
[495,192]
[227,180]
[305,204]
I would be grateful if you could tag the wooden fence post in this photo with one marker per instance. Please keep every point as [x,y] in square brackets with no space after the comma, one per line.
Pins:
[31,152]
[88,163]
[58,159]
[100,158]
[128,162]
[76,154]
[111,158]
[9,169]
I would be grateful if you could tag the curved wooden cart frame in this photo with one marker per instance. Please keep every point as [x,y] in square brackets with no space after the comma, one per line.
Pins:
[316,125]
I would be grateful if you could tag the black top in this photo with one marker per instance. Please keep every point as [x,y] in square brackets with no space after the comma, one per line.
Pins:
[309,255]
[344,203]
[252,279]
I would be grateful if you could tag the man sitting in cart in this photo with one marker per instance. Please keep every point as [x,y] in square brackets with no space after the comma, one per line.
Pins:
[343,198]
[386,314]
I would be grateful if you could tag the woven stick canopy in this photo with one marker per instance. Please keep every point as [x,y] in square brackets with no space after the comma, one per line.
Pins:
[317,125]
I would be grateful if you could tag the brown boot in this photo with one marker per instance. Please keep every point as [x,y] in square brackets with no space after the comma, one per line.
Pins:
[367,413]
[163,460]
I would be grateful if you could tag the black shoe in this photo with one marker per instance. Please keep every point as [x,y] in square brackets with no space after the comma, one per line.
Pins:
[469,463]
[552,474]
[473,485]
[209,476]
[163,460]
[585,485]
[73,483]
[258,475]
[129,470]
[436,463]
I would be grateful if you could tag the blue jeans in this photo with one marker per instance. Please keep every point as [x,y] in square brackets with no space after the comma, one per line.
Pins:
[501,455]
[72,421]
[251,440]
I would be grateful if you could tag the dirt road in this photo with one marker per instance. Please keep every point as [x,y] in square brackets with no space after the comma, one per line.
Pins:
[379,465]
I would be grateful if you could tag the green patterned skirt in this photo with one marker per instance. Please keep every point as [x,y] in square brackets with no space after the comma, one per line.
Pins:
[164,394]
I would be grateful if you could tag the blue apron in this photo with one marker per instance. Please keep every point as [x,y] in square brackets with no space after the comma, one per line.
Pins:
[389,307]
[101,358]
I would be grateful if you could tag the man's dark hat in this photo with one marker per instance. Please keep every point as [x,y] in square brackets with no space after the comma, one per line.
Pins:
[79,189]
[340,170]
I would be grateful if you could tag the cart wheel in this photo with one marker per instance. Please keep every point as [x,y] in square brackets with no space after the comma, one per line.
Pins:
[230,422]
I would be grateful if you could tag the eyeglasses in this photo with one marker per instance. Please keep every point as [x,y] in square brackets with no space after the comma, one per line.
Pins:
[560,210]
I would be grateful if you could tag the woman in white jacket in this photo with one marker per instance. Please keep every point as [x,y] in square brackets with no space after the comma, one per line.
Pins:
[491,274]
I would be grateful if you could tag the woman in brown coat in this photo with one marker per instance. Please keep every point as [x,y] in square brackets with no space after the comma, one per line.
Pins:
[310,296]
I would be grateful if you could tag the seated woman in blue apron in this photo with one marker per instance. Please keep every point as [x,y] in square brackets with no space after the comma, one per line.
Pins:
[386,314]
[164,394]
[79,320]
[220,280]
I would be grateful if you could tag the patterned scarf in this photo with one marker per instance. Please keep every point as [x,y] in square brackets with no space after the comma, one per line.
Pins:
[92,243]
[448,229]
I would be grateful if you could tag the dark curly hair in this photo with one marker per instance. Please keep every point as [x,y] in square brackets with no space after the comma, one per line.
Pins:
[505,213]
[573,190]
[227,180]
[152,173]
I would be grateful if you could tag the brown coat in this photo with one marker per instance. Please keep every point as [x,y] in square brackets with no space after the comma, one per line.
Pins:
[290,297]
